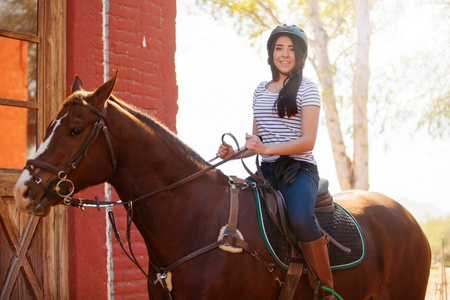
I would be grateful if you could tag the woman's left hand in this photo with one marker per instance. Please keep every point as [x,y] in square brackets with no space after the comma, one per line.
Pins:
[254,143]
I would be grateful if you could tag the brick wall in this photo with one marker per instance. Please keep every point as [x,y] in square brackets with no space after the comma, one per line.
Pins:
[140,43]
[142,47]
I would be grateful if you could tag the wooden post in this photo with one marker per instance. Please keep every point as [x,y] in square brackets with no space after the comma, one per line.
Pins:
[443,273]
[441,286]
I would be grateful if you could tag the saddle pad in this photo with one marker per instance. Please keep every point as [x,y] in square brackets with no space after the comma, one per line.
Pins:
[339,224]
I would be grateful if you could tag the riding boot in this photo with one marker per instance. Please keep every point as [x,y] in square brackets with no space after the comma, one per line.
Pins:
[316,255]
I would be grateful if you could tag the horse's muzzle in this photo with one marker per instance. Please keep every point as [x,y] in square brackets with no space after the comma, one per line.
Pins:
[32,197]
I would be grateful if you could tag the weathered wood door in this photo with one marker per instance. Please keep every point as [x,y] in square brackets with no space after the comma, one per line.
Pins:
[33,251]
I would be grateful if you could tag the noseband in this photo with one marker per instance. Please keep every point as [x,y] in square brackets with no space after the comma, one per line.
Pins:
[81,153]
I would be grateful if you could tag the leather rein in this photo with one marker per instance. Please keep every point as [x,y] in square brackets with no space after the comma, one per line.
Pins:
[229,238]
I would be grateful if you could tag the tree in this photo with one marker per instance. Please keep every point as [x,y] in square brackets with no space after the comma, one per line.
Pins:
[326,22]
[436,116]
[417,86]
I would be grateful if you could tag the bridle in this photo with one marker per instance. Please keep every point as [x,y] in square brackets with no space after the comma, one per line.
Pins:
[81,153]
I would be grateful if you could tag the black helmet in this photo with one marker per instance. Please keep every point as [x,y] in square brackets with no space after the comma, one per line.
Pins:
[294,32]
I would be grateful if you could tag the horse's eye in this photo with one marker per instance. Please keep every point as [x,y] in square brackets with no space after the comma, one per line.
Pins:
[76,131]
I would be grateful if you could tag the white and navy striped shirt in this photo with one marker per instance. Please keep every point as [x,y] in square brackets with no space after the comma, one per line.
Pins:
[275,130]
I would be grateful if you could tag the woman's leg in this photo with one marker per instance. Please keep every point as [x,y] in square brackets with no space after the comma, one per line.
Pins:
[300,200]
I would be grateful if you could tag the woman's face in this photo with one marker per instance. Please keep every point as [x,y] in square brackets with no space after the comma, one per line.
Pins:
[284,55]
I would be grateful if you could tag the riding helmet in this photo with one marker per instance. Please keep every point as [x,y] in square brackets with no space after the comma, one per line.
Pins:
[294,32]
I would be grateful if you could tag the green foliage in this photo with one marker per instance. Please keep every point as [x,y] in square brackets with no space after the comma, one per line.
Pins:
[250,17]
[418,81]
[338,16]
[435,230]
[437,115]
[253,17]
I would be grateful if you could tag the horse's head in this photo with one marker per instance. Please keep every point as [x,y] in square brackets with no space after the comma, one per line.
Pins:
[70,153]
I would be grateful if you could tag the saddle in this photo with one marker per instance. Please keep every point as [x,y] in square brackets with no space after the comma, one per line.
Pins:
[276,208]
[282,243]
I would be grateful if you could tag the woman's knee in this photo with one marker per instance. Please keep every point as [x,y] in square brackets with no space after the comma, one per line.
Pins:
[302,222]
[305,229]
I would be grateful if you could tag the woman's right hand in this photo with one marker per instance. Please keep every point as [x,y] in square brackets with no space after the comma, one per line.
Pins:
[225,151]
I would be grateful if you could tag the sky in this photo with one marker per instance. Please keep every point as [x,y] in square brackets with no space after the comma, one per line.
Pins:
[217,72]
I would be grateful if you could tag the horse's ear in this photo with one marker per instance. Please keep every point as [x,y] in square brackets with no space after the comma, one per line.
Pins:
[103,92]
[77,84]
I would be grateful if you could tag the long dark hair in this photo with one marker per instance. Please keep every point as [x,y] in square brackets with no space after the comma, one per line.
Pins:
[286,103]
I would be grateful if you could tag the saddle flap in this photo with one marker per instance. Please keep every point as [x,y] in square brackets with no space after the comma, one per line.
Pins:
[276,209]
[271,204]
[287,230]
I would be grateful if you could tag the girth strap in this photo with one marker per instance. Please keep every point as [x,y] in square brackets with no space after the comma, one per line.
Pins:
[292,276]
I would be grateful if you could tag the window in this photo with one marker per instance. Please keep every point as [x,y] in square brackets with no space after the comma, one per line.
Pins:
[19,105]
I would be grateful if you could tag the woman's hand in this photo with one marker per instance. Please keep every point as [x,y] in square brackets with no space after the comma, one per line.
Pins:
[225,151]
[254,143]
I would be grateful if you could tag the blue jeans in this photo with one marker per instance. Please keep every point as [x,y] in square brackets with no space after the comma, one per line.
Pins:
[300,198]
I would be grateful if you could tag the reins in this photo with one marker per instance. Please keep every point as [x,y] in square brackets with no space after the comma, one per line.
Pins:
[79,202]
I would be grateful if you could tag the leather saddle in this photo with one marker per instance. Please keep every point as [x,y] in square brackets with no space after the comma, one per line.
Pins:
[276,208]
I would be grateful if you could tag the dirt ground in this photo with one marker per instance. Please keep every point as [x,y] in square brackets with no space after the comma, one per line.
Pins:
[433,292]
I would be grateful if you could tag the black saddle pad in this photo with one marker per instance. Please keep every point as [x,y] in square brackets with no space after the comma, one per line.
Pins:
[339,224]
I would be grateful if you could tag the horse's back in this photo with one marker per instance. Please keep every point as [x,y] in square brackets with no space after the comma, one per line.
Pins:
[398,255]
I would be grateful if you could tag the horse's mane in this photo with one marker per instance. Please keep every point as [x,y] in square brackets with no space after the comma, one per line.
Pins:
[159,128]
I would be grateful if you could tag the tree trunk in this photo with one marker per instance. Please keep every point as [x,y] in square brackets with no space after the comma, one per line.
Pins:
[360,97]
[324,70]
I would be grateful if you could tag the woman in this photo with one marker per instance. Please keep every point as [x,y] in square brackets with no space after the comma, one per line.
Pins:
[286,116]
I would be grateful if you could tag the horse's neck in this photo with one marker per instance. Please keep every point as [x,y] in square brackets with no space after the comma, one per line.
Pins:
[145,164]
[147,154]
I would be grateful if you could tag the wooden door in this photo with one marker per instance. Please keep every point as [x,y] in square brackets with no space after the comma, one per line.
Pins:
[33,250]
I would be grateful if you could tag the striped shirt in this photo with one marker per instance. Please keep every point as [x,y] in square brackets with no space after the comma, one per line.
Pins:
[275,130]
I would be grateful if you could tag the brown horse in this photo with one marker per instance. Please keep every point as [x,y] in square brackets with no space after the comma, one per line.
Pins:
[138,156]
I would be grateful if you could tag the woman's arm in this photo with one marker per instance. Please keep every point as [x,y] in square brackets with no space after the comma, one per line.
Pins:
[226,150]
[310,123]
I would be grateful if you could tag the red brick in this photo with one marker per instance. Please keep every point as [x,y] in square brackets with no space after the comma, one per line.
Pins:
[147,79]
